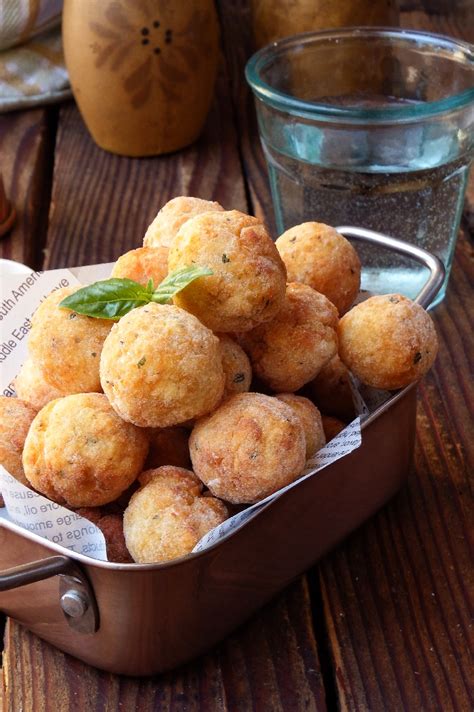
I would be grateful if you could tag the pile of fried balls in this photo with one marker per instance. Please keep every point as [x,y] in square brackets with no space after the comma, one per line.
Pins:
[160,426]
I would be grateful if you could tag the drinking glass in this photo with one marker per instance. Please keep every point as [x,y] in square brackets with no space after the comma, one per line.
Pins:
[371,128]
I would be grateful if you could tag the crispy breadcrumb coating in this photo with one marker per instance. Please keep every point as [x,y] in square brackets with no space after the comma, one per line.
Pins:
[165,226]
[160,366]
[247,286]
[251,446]
[290,350]
[79,452]
[66,346]
[16,417]
[317,255]
[388,341]
[167,516]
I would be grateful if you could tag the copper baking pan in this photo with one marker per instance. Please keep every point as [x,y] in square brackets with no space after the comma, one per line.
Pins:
[142,619]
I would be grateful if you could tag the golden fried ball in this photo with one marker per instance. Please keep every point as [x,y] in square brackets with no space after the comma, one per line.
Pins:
[164,228]
[247,286]
[236,364]
[251,446]
[332,426]
[143,264]
[111,526]
[331,390]
[290,350]
[317,255]
[79,452]
[310,420]
[160,366]
[32,387]
[388,341]
[16,417]
[168,446]
[66,346]
[167,517]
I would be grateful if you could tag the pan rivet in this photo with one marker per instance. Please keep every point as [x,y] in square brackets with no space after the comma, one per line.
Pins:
[74,603]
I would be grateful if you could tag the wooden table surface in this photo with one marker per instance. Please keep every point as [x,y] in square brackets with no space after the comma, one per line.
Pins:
[382,623]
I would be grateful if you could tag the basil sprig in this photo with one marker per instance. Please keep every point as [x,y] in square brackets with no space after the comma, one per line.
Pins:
[113,298]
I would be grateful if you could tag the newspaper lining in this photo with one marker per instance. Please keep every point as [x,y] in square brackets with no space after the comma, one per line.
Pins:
[40,515]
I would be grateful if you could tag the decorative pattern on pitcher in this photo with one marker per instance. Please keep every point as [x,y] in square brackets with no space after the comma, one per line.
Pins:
[169,54]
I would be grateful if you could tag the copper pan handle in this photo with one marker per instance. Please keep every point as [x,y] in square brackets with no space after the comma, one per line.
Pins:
[76,596]
[427,259]
[33,572]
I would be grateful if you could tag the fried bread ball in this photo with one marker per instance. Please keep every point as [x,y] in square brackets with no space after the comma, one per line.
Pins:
[160,366]
[388,341]
[111,526]
[247,286]
[317,255]
[66,346]
[332,426]
[236,364]
[167,516]
[310,420]
[79,452]
[331,390]
[163,229]
[16,417]
[290,350]
[168,446]
[143,264]
[32,387]
[251,446]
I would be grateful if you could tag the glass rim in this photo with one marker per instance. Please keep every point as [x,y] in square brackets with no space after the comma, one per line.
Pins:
[328,112]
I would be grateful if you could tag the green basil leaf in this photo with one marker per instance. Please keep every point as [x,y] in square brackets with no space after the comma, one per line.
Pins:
[108,299]
[113,298]
[178,280]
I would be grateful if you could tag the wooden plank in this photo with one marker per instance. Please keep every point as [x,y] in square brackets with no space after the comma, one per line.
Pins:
[26,140]
[269,664]
[237,15]
[398,595]
[102,204]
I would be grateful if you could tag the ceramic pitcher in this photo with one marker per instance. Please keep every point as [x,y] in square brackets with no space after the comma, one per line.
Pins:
[142,71]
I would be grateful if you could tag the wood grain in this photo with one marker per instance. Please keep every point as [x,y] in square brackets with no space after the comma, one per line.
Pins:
[236,17]
[102,203]
[26,140]
[269,664]
[456,20]
[398,596]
